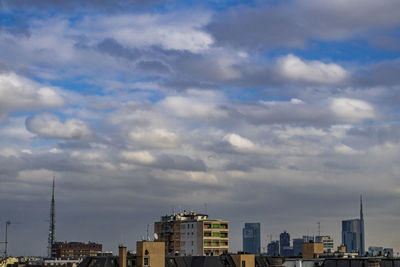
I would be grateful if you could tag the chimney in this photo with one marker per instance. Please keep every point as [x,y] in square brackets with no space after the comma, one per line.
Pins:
[122,256]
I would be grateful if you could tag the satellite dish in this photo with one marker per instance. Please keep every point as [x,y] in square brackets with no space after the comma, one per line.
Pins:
[155,236]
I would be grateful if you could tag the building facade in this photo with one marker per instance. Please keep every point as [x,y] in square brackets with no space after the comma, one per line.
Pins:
[189,233]
[251,238]
[76,250]
[327,241]
[204,238]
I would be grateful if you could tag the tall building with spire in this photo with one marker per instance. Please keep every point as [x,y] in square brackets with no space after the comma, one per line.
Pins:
[52,226]
[353,235]
[362,237]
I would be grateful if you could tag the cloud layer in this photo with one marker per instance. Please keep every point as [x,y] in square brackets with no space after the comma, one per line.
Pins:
[141,107]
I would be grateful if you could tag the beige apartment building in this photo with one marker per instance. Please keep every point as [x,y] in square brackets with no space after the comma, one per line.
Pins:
[204,238]
[189,233]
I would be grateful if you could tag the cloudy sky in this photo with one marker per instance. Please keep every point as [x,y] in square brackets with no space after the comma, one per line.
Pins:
[279,112]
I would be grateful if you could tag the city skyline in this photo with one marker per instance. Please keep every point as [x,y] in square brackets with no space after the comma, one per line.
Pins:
[278,112]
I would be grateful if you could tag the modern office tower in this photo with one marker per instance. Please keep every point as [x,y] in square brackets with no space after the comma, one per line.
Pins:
[273,248]
[284,241]
[362,232]
[76,250]
[327,241]
[193,234]
[297,246]
[353,236]
[251,238]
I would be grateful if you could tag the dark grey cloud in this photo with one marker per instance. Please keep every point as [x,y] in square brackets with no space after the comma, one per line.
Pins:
[153,66]
[269,26]
[111,47]
[385,73]
[16,30]
[175,162]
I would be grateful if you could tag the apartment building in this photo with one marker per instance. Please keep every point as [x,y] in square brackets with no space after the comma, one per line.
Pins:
[190,233]
[205,237]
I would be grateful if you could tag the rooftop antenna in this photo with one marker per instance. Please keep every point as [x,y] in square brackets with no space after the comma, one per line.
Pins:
[52,226]
[205,208]
[6,238]
[147,231]
[319,228]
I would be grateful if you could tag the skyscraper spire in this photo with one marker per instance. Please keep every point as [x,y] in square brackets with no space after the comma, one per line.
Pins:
[362,234]
[52,227]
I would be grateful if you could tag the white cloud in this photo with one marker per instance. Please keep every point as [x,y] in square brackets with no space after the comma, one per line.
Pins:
[142,157]
[196,104]
[161,138]
[352,110]
[18,93]
[313,71]
[346,150]
[238,141]
[50,126]
[171,31]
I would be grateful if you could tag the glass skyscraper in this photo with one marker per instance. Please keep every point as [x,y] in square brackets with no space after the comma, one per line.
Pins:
[353,236]
[251,238]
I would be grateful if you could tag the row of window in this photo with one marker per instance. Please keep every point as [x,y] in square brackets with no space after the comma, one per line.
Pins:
[215,244]
[183,226]
[215,234]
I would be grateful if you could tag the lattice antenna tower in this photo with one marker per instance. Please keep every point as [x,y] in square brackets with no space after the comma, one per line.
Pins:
[52,227]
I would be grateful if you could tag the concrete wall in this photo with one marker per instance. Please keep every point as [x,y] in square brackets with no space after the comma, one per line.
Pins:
[155,251]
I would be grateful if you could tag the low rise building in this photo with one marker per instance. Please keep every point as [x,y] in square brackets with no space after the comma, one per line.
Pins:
[312,250]
[76,250]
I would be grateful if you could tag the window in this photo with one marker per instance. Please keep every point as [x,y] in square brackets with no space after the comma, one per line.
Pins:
[146,261]
[192,243]
[243,263]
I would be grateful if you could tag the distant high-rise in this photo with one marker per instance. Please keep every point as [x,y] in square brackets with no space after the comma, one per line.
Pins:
[284,241]
[273,248]
[251,238]
[297,246]
[353,236]
[362,238]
